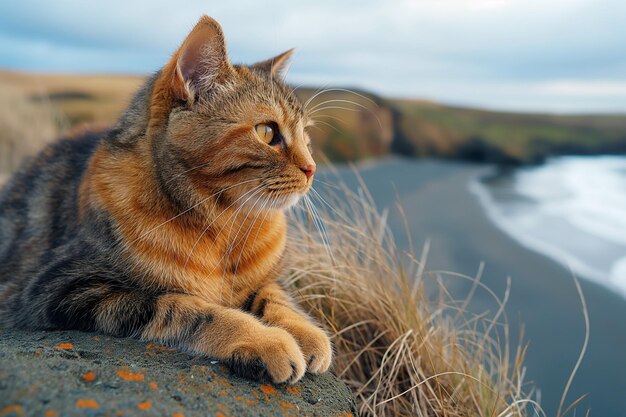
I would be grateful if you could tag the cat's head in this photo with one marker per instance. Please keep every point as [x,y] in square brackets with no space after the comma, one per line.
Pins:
[230,131]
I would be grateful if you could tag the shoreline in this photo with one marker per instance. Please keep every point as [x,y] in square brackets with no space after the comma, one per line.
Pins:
[543,302]
[566,260]
[571,209]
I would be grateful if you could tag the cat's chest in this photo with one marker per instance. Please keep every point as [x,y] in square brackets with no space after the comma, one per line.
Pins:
[220,267]
[225,252]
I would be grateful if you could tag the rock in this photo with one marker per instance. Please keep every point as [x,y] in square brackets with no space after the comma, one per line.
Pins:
[86,374]
[480,151]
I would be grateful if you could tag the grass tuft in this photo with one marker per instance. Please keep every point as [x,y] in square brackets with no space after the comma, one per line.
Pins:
[403,343]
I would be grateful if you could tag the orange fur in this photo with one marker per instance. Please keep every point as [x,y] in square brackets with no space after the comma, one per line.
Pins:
[171,256]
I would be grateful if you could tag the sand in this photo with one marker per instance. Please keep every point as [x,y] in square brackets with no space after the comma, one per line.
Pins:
[543,299]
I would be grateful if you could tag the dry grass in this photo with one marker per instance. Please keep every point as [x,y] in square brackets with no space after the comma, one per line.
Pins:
[80,98]
[38,108]
[403,343]
[24,127]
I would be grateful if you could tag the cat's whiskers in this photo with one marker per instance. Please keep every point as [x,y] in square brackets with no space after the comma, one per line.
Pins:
[320,227]
[232,244]
[204,200]
[317,92]
[233,216]
[270,200]
[312,217]
[327,116]
[333,108]
[344,90]
[233,241]
[243,245]
[323,200]
[327,184]
[252,192]
[293,90]
[326,124]
[316,120]
[380,125]
[323,105]
[341,216]
[221,286]
[318,105]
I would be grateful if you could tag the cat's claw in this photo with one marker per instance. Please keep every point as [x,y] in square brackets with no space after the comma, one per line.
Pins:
[316,347]
[275,356]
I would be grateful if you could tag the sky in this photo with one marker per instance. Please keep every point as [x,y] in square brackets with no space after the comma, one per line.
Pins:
[561,56]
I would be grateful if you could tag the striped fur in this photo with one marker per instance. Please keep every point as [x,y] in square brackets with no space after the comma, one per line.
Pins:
[170,225]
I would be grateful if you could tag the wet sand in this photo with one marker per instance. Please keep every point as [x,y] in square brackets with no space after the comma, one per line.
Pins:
[442,210]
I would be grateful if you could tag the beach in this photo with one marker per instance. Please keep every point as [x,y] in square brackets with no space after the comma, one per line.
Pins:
[543,302]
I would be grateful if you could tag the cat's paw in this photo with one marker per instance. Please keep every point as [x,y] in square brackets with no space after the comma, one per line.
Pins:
[275,355]
[315,345]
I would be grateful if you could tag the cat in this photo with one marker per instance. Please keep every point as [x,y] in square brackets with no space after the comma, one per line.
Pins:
[170,226]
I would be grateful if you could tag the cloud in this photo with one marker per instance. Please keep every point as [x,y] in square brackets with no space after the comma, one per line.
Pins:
[459,51]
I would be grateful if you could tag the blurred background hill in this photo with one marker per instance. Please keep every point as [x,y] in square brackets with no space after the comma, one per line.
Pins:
[354,126]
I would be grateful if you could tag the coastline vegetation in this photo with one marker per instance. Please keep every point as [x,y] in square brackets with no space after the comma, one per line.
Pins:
[404,344]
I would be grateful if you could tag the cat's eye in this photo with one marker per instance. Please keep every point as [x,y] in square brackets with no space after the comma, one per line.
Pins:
[265,132]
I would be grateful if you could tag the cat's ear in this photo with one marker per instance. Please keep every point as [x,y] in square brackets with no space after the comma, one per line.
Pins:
[277,66]
[201,60]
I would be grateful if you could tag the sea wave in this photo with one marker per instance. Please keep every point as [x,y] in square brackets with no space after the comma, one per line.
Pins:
[572,209]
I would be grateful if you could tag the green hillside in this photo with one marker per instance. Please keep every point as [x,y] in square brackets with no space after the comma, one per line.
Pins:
[356,125]
[431,129]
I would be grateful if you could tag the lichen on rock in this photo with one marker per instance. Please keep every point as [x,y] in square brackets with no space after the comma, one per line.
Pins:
[76,374]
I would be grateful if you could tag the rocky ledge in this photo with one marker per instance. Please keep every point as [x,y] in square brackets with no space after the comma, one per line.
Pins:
[84,374]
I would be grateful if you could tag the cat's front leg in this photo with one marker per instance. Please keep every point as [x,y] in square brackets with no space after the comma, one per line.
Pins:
[274,306]
[251,348]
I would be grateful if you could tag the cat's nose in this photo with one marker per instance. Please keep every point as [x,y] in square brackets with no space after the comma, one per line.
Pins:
[309,170]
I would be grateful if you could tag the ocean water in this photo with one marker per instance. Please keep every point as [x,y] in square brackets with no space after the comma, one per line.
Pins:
[572,209]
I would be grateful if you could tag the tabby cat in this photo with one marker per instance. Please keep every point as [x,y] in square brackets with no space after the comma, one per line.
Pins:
[169,226]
